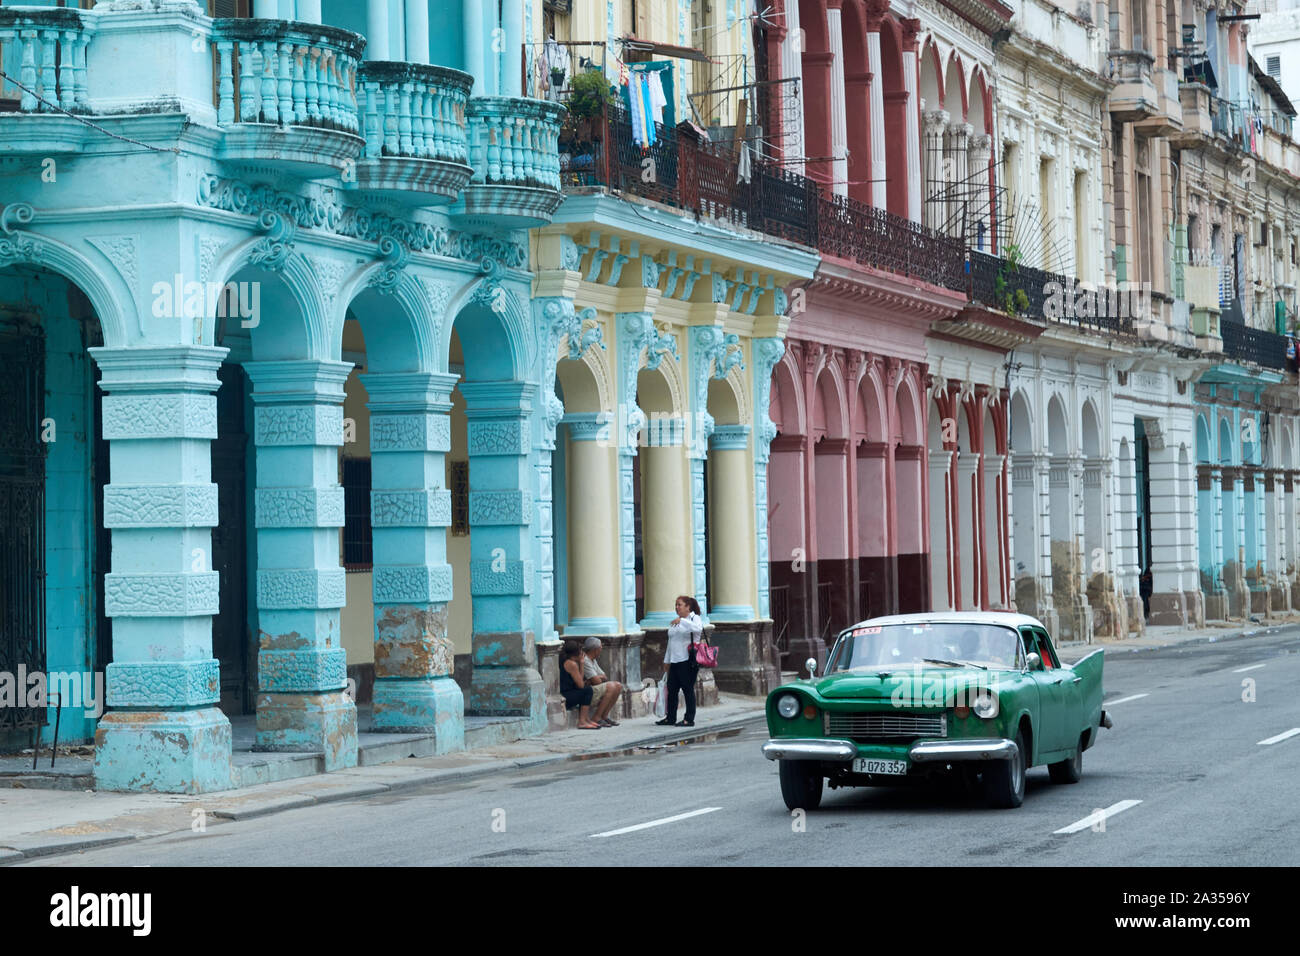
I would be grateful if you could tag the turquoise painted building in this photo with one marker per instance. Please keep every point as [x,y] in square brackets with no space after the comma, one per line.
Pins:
[197,212]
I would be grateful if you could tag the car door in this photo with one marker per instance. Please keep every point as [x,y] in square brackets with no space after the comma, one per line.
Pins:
[1052,693]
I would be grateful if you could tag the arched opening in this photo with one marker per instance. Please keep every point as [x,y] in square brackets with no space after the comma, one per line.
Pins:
[1230,550]
[1024,509]
[1205,525]
[54,551]
[1098,563]
[940,455]
[831,474]
[660,486]
[791,602]
[994,556]
[877,511]
[969,559]
[729,507]
[1065,554]
[1252,491]
[912,576]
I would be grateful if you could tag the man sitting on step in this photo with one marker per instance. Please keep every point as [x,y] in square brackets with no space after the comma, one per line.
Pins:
[605,693]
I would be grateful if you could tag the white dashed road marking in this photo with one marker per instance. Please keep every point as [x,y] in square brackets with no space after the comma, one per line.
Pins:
[1097,816]
[1124,700]
[1252,667]
[1280,737]
[655,823]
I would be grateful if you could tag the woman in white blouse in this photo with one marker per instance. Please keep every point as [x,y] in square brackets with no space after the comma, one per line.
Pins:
[680,659]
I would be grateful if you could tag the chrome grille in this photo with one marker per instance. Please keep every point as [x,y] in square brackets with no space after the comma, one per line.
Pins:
[884,726]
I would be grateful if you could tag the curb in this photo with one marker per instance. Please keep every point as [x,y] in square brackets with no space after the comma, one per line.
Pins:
[23,850]
[1220,637]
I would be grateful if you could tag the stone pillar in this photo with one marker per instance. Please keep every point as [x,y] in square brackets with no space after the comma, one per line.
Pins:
[377,29]
[417,33]
[941,527]
[968,559]
[1216,600]
[665,539]
[1234,550]
[512,23]
[1258,561]
[475,38]
[1168,605]
[410,434]
[935,211]
[839,118]
[980,151]
[308,11]
[729,519]
[505,681]
[1043,482]
[302,667]
[879,170]
[912,124]
[792,143]
[593,518]
[958,139]
[163,731]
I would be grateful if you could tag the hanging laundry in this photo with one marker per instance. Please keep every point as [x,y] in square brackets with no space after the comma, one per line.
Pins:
[744,167]
[636,111]
[649,113]
[657,99]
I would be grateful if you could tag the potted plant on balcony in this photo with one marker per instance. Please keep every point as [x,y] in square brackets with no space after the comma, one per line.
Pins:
[589,96]
[1013,302]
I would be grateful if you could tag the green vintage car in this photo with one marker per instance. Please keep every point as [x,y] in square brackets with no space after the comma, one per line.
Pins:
[981,696]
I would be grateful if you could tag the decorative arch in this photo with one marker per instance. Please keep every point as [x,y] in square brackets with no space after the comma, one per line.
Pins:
[1090,423]
[1225,440]
[409,345]
[1022,423]
[907,426]
[313,336]
[1058,426]
[930,66]
[502,332]
[979,102]
[954,88]
[1203,443]
[872,409]
[829,418]
[104,293]
[787,399]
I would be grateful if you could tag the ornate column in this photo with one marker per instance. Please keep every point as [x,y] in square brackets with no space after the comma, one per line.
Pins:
[839,119]
[980,151]
[512,24]
[767,352]
[475,37]
[792,66]
[1168,606]
[377,30]
[935,211]
[163,732]
[958,142]
[876,10]
[941,528]
[302,667]
[417,35]
[729,514]
[593,519]
[308,11]
[913,120]
[410,434]
[506,680]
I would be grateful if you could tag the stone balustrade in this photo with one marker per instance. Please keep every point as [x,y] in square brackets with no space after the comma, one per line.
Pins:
[414,111]
[286,73]
[515,142]
[45,49]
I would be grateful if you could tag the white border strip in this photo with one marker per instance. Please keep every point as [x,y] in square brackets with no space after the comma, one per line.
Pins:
[659,823]
[1252,667]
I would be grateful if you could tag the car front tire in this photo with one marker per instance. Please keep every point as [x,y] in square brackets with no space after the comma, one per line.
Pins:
[1068,771]
[1004,780]
[801,784]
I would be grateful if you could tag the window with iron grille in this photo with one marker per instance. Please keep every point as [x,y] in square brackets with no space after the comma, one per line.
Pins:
[358,554]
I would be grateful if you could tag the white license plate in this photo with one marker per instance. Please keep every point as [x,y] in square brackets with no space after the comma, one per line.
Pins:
[892,767]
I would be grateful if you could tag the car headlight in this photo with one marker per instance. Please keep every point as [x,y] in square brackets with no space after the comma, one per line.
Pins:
[787,706]
[985,704]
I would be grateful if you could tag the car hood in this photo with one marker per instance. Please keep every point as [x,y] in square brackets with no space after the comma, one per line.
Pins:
[926,684]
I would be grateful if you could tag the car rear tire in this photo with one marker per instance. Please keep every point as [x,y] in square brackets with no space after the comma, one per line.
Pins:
[1004,780]
[801,784]
[1068,771]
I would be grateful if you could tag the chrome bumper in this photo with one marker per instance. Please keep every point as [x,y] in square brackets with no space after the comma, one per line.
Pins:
[950,751]
[809,748]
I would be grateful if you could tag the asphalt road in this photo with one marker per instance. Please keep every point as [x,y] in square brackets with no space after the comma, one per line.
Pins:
[1186,745]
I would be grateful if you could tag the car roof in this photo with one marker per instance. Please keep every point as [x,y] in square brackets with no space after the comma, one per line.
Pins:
[1001,618]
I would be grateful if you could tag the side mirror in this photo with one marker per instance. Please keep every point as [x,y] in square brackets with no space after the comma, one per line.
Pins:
[1035,662]
[811,664]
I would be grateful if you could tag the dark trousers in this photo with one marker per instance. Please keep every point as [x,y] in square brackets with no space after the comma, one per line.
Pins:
[681,676]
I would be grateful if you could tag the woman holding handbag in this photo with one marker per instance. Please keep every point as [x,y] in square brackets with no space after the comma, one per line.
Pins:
[685,629]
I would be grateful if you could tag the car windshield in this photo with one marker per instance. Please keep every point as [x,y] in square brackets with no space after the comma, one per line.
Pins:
[902,645]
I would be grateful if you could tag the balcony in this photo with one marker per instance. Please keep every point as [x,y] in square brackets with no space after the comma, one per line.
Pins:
[1134,97]
[514,152]
[1229,121]
[417,144]
[44,49]
[1241,343]
[871,236]
[1198,115]
[997,284]
[1167,120]
[287,95]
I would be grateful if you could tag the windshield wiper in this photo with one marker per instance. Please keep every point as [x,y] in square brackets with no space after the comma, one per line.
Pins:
[933,660]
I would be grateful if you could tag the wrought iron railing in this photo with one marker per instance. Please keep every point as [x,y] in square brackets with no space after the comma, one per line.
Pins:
[686,171]
[997,283]
[1244,344]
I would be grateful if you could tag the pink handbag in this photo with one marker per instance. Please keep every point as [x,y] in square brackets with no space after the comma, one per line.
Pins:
[706,655]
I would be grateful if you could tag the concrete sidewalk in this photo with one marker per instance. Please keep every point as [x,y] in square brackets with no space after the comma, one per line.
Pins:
[1161,637]
[39,823]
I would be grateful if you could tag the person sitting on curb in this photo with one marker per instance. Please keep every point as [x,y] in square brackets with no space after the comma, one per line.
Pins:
[573,688]
[605,693]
